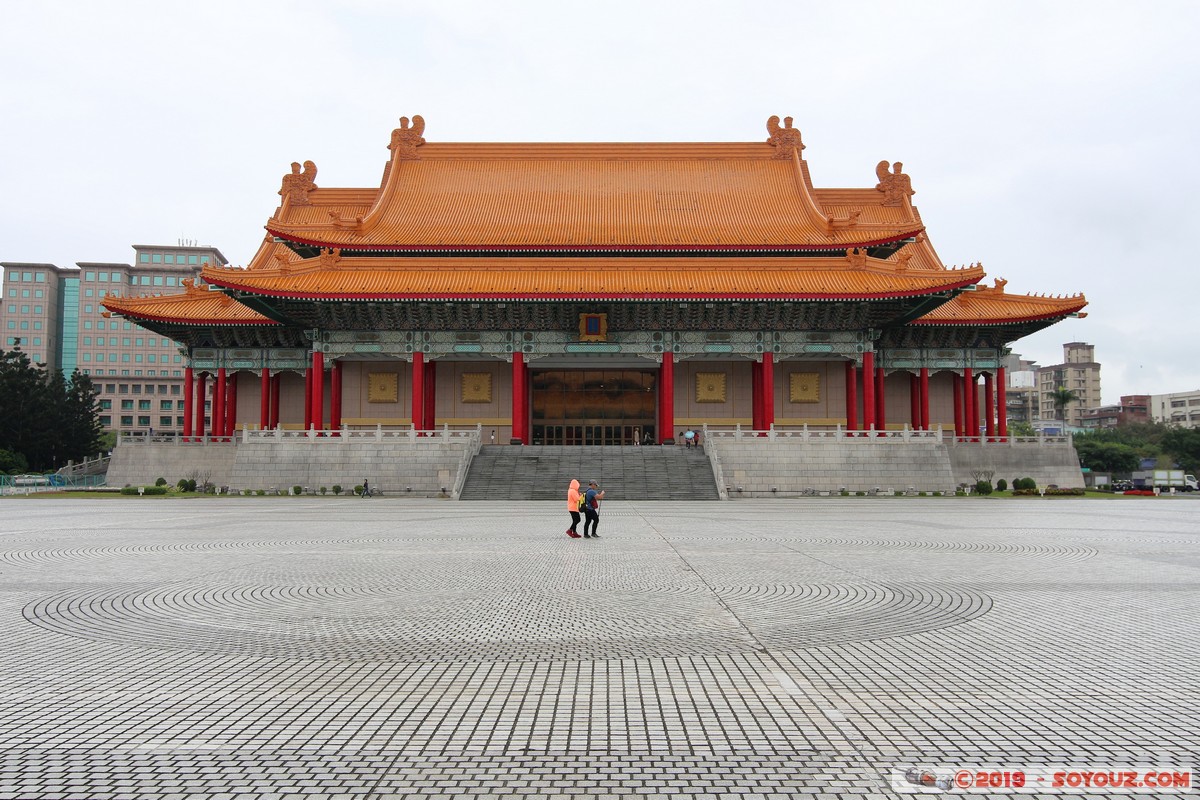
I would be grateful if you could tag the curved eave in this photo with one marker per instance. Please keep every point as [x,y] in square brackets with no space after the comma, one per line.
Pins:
[549,297]
[1026,319]
[194,322]
[152,310]
[615,249]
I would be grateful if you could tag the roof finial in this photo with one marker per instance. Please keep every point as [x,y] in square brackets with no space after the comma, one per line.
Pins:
[895,185]
[785,139]
[406,140]
[297,185]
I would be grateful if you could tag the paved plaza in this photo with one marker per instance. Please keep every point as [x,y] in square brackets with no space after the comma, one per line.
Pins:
[383,648]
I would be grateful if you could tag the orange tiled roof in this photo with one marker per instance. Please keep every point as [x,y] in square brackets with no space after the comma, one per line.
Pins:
[849,277]
[593,196]
[990,305]
[193,306]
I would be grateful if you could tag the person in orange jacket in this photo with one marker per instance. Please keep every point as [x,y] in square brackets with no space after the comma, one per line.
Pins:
[573,507]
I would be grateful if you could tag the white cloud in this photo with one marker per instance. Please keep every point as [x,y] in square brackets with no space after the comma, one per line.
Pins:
[1049,141]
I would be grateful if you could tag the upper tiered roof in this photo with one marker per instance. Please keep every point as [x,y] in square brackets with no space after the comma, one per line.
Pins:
[534,198]
[596,223]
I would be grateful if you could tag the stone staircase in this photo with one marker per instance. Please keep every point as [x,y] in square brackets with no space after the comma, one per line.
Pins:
[504,472]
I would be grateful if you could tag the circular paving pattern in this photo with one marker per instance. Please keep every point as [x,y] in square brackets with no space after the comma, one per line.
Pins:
[406,624]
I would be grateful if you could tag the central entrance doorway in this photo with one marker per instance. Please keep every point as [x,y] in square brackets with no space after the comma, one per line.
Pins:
[593,406]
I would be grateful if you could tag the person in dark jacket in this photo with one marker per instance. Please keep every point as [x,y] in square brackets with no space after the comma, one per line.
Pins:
[591,510]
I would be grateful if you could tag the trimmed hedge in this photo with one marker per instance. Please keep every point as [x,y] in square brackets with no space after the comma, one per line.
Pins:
[143,490]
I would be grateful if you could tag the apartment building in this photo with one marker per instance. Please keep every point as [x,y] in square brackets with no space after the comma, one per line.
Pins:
[1021,396]
[54,314]
[1176,408]
[1080,373]
[1132,409]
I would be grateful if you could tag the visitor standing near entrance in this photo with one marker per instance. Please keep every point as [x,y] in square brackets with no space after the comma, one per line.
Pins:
[573,506]
[591,510]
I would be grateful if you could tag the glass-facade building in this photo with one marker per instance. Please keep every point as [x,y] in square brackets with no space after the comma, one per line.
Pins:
[55,314]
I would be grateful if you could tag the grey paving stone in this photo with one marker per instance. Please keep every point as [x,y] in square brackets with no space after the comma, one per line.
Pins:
[306,647]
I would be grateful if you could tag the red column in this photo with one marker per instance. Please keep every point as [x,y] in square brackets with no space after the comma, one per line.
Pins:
[519,415]
[418,390]
[880,406]
[768,390]
[216,422]
[970,406]
[989,405]
[201,391]
[1001,403]
[924,398]
[189,403]
[335,397]
[230,405]
[868,373]
[958,406]
[318,390]
[666,411]
[264,400]
[914,401]
[756,404]
[307,397]
[276,383]
[851,396]
[430,395]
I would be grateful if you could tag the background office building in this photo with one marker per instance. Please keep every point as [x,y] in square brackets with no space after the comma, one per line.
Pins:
[54,314]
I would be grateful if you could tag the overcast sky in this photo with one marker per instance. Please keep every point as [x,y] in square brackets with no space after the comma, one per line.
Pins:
[1053,142]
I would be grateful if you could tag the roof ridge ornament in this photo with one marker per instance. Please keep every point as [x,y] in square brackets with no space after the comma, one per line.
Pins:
[330,258]
[857,256]
[406,140]
[785,139]
[895,185]
[297,184]
[848,221]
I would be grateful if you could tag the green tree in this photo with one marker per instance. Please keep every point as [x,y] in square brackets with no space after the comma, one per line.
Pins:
[45,417]
[12,463]
[1101,456]
[1021,429]
[1183,444]
[1062,397]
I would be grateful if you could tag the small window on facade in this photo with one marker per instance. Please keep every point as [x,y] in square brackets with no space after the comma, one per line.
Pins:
[103,276]
[89,275]
[144,258]
[158,258]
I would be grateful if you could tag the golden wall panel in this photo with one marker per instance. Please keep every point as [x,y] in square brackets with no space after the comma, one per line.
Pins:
[477,387]
[804,387]
[710,387]
[383,387]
